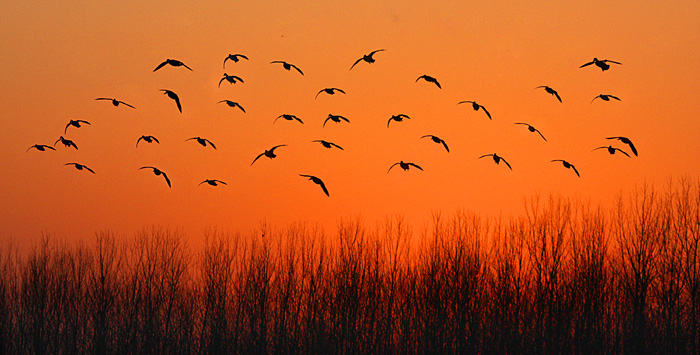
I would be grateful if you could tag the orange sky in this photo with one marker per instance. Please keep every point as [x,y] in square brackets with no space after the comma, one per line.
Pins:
[57,58]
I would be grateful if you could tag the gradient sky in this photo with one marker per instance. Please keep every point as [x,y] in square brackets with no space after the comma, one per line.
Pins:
[57,57]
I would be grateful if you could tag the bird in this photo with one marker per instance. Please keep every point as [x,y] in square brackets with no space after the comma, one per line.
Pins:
[157,172]
[404,166]
[80,167]
[288,118]
[602,64]
[287,66]
[532,129]
[115,102]
[476,107]
[429,79]
[74,123]
[497,159]
[147,139]
[606,97]
[367,58]
[270,153]
[328,144]
[397,118]
[231,79]
[317,181]
[329,91]
[66,142]
[41,147]
[234,58]
[612,150]
[627,141]
[172,62]
[437,140]
[233,104]
[202,141]
[173,95]
[212,182]
[550,91]
[568,166]
[335,118]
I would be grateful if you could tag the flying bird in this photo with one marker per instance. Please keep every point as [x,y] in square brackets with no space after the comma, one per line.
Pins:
[80,167]
[157,172]
[606,97]
[172,62]
[202,141]
[476,107]
[74,123]
[627,141]
[270,153]
[288,118]
[329,91]
[397,118]
[234,58]
[212,182]
[335,118]
[115,102]
[66,142]
[568,166]
[497,159]
[367,58]
[437,140]
[550,91]
[147,139]
[532,129]
[173,95]
[233,104]
[317,181]
[404,166]
[602,64]
[231,79]
[288,66]
[41,147]
[429,79]
[612,150]
[328,144]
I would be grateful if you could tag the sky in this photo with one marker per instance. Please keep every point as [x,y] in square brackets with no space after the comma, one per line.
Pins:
[58,57]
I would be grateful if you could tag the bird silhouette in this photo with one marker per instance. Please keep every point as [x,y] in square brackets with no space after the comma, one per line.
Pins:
[429,79]
[231,79]
[288,118]
[173,95]
[335,118]
[234,58]
[202,141]
[317,181]
[397,118]
[233,104]
[476,107]
[115,102]
[212,182]
[328,144]
[41,147]
[287,66]
[367,58]
[627,141]
[606,97]
[437,140]
[496,159]
[147,139]
[157,172]
[329,91]
[80,167]
[404,166]
[550,91]
[75,123]
[172,62]
[568,165]
[532,129]
[612,150]
[66,142]
[270,153]
[602,64]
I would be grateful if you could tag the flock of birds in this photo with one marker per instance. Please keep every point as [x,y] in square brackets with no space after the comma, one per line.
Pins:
[270,153]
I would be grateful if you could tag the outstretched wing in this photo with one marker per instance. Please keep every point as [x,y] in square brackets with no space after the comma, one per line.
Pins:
[576,171]
[487,113]
[323,186]
[357,61]
[585,65]
[295,67]
[125,104]
[177,101]
[506,163]
[88,169]
[337,146]
[166,177]
[391,167]
[445,145]
[210,143]
[160,65]
[418,167]
[540,133]
[557,95]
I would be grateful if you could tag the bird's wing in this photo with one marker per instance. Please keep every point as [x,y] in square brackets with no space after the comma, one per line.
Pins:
[103,98]
[277,146]
[445,145]
[308,176]
[221,182]
[220,81]
[357,61]
[600,148]
[238,78]
[540,133]
[34,146]
[155,139]
[88,169]
[242,56]
[276,61]
[341,90]
[506,163]
[391,167]
[622,151]
[557,95]
[378,50]
[166,179]
[587,64]
[298,119]
[177,101]
[146,167]
[634,150]
[615,97]
[337,146]
[612,61]
[66,129]
[485,155]
[295,67]
[576,171]
[160,65]
[124,103]
[420,77]
[72,144]
[204,180]
[595,98]
[427,136]
[241,107]
[319,93]
[189,139]
[224,66]
[464,102]
[418,167]
[212,144]
[541,86]
[226,101]
[323,186]
[185,65]
[344,119]
[522,123]
[487,113]
[82,121]
[137,141]
[387,123]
